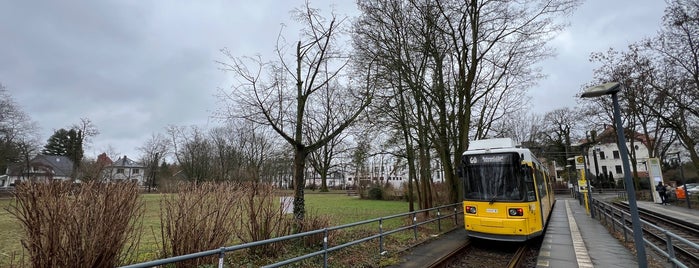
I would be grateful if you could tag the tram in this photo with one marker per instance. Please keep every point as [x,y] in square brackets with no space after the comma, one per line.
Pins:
[507,191]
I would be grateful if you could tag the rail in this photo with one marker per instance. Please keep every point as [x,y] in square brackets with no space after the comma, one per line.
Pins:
[221,252]
[618,218]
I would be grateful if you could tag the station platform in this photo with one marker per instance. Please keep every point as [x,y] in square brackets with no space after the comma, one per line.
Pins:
[574,239]
[676,209]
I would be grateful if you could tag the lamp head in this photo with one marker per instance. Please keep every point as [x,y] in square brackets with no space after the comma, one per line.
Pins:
[603,89]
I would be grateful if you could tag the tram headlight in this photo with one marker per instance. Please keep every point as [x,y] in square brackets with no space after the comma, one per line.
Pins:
[515,211]
[470,209]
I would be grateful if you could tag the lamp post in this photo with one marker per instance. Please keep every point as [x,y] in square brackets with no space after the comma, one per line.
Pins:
[684,185]
[586,170]
[613,88]
[594,156]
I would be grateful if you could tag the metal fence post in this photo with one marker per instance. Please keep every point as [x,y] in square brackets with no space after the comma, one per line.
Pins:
[623,226]
[439,221]
[670,248]
[613,219]
[221,255]
[415,225]
[456,220]
[325,248]
[380,235]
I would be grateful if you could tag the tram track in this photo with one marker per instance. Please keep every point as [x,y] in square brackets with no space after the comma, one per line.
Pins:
[685,253]
[481,253]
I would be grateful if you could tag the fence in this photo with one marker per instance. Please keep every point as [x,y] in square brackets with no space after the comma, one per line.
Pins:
[617,218]
[454,211]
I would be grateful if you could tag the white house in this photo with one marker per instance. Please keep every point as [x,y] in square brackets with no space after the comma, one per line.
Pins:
[125,169]
[607,156]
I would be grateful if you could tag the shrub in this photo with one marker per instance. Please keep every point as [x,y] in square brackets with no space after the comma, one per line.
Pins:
[199,217]
[313,222]
[440,194]
[376,193]
[91,224]
[264,218]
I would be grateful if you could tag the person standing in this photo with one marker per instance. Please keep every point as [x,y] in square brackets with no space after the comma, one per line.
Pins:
[660,188]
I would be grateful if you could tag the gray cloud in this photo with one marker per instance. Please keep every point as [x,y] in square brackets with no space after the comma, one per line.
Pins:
[134,67]
[595,27]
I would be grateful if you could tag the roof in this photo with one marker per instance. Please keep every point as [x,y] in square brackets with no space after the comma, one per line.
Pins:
[609,135]
[60,166]
[125,162]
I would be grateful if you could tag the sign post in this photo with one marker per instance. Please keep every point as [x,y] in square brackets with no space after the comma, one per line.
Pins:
[582,182]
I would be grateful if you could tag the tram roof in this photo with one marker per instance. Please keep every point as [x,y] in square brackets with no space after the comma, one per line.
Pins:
[500,145]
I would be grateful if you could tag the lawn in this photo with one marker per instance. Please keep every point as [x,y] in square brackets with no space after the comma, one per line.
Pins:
[341,209]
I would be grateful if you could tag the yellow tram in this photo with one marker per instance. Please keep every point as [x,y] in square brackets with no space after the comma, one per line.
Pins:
[507,191]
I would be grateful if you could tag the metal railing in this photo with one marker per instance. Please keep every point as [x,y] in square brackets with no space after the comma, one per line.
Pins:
[454,210]
[617,217]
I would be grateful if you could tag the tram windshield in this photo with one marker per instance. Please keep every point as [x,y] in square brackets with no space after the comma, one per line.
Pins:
[493,177]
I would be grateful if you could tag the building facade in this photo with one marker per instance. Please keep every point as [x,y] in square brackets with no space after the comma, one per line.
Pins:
[51,167]
[604,157]
[125,169]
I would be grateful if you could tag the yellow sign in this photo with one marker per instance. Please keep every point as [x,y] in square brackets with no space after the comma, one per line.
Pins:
[579,162]
[582,186]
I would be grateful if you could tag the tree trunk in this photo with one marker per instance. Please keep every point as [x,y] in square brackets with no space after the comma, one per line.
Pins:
[299,184]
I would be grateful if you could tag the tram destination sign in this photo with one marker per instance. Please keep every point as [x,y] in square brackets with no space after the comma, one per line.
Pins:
[490,159]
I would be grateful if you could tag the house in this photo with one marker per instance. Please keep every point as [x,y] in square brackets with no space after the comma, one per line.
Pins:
[603,155]
[125,169]
[40,167]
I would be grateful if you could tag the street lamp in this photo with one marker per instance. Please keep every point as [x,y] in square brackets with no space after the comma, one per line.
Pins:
[613,88]
[684,185]
[595,151]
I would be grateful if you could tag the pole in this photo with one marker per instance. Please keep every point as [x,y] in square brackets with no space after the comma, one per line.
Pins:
[684,184]
[637,231]
[589,189]
[594,155]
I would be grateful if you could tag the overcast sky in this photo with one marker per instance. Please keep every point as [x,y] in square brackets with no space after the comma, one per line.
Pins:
[135,67]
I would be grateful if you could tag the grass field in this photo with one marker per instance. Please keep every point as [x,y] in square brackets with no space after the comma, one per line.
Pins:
[341,209]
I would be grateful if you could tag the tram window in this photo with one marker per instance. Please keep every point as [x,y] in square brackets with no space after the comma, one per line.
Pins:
[527,173]
[493,177]
[540,182]
[529,184]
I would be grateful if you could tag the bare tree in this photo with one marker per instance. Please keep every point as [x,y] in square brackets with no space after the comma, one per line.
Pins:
[476,58]
[527,129]
[288,98]
[563,128]
[677,47]
[254,150]
[153,151]
[642,105]
[19,138]
[88,130]
[192,151]
[324,159]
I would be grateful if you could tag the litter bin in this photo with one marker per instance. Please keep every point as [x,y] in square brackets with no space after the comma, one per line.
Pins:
[679,191]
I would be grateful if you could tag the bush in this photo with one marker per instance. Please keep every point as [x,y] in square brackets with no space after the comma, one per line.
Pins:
[312,222]
[264,220]
[375,193]
[200,217]
[91,224]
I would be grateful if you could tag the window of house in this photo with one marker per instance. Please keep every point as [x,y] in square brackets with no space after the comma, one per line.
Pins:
[618,169]
[616,154]
[135,171]
[601,155]
[604,169]
[120,171]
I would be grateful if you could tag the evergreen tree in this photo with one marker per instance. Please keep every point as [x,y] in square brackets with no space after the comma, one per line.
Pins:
[67,143]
